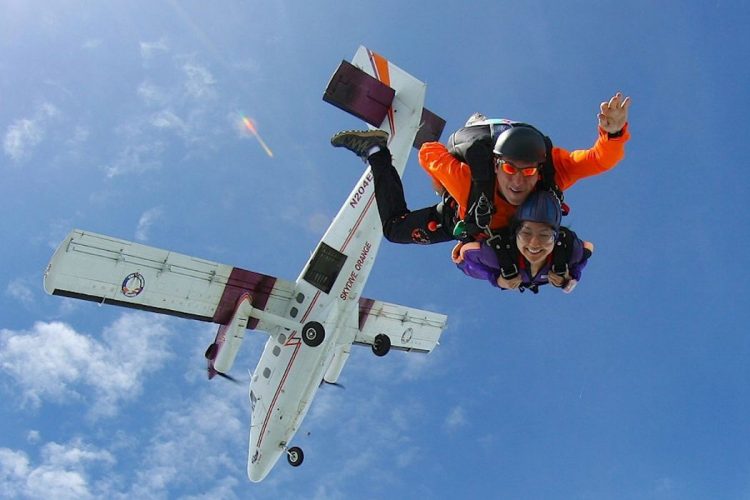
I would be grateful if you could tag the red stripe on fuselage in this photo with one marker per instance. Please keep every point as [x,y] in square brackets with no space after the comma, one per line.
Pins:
[296,341]
[357,223]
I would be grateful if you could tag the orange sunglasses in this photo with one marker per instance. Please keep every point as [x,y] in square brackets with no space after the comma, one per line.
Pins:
[511,169]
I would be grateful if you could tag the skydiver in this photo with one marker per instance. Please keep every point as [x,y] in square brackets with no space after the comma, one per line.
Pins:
[512,166]
[533,233]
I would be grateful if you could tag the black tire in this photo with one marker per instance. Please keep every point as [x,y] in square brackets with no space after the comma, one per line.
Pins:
[211,351]
[313,334]
[295,456]
[381,345]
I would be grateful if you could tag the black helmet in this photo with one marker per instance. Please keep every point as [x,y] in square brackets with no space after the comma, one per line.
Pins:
[540,206]
[521,143]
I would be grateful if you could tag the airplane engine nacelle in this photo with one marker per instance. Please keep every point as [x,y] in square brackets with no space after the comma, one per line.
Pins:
[337,363]
[222,353]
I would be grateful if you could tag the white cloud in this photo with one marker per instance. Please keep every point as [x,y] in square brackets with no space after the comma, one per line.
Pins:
[80,135]
[207,427]
[21,137]
[92,43]
[146,221]
[166,119]
[14,468]
[200,82]
[456,418]
[54,362]
[137,158]
[151,49]
[61,473]
[151,93]
[27,133]
[74,454]
[20,290]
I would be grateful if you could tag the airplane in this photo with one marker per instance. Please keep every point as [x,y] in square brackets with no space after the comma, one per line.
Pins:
[311,322]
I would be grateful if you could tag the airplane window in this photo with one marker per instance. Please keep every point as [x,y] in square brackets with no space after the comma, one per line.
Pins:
[300,298]
[266,372]
[276,350]
[282,338]
[293,312]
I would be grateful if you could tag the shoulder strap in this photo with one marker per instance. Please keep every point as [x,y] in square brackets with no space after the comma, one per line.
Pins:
[548,176]
[507,254]
[562,251]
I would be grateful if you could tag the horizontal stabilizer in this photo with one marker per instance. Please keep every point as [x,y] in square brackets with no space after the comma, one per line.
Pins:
[409,329]
[359,94]
[430,128]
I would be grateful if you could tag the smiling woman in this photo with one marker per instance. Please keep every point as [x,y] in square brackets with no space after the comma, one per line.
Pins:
[533,251]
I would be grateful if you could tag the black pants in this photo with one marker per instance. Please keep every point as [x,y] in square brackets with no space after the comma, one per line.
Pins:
[400,225]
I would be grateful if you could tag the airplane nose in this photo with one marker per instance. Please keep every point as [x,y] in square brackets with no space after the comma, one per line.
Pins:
[256,472]
[257,468]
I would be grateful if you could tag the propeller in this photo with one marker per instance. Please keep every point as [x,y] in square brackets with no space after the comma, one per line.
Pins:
[228,377]
[335,384]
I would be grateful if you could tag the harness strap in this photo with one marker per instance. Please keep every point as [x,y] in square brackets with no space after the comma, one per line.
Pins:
[548,175]
[562,252]
[502,243]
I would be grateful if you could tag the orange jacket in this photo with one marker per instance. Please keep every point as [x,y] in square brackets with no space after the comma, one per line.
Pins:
[455,176]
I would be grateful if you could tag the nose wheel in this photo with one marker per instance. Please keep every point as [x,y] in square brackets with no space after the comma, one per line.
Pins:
[295,456]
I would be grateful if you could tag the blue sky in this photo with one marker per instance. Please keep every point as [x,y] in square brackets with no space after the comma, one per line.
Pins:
[121,118]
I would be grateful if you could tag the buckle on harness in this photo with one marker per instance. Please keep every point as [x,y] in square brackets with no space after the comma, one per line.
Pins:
[483,211]
[560,270]
[509,272]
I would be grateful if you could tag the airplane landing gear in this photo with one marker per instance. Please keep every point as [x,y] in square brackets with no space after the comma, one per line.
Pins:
[313,333]
[295,456]
[381,345]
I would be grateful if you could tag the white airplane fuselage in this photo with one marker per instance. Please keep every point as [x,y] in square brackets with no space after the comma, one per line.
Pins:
[289,371]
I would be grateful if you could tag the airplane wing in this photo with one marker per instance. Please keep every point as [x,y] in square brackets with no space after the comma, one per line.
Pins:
[108,270]
[409,329]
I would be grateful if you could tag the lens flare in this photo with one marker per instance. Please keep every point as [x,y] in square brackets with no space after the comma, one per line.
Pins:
[250,126]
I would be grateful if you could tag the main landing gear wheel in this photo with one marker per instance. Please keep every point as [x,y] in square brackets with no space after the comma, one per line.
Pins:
[313,333]
[381,345]
[295,456]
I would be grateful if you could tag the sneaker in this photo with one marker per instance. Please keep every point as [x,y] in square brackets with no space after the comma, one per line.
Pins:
[360,142]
